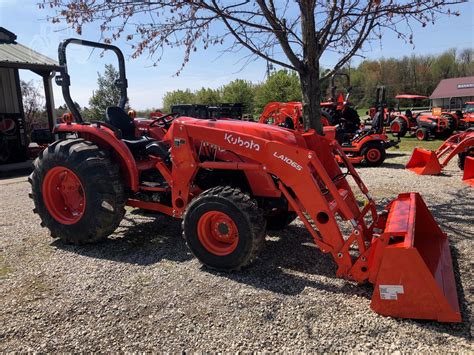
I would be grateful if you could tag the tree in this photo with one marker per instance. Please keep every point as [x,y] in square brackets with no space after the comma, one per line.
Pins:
[108,93]
[178,97]
[33,105]
[239,91]
[302,30]
[207,96]
[281,86]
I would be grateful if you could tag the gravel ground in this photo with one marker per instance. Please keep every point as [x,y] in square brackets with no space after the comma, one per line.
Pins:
[142,290]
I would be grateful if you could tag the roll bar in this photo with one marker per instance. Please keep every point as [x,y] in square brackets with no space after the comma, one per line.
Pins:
[64,80]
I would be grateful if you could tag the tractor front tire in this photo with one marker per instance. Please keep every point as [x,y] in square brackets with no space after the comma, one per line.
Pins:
[374,154]
[422,134]
[77,191]
[224,228]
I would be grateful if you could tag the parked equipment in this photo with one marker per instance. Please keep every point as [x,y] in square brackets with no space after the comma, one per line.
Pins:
[465,116]
[422,124]
[427,162]
[228,110]
[230,179]
[468,165]
[366,145]
[336,110]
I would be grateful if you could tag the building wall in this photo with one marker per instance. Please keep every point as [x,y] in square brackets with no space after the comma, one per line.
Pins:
[451,103]
[9,100]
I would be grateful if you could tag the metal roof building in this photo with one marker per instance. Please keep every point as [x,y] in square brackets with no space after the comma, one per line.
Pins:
[453,93]
[15,56]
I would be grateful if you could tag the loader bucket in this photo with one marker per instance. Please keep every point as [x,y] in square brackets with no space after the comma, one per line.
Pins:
[412,267]
[468,176]
[424,162]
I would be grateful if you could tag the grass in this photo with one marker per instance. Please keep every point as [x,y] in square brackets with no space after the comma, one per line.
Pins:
[407,144]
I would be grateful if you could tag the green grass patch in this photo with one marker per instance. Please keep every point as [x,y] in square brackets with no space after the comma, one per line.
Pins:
[407,144]
[4,271]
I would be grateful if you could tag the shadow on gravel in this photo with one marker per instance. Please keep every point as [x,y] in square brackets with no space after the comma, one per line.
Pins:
[392,154]
[389,165]
[140,240]
[287,264]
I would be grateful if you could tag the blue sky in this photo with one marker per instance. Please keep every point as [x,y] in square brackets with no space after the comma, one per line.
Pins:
[148,84]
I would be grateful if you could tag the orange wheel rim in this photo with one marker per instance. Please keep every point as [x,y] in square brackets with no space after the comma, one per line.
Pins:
[373,155]
[63,195]
[218,233]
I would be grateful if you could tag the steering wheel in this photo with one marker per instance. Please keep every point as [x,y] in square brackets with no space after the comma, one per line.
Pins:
[163,119]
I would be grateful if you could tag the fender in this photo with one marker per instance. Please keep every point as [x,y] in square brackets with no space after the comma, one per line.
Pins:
[105,138]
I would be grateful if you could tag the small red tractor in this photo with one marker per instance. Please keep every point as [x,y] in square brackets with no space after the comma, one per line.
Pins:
[427,162]
[422,124]
[465,116]
[228,181]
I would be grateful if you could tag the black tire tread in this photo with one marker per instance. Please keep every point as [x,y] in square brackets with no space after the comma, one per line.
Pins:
[87,157]
[251,210]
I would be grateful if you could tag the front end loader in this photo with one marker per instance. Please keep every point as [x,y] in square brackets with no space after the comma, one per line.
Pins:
[427,162]
[228,180]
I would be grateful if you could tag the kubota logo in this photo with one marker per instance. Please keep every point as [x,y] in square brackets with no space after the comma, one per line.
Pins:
[287,160]
[237,140]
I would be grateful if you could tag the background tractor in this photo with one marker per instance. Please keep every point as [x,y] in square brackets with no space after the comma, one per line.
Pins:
[228,180]
[465,116]
[419,122]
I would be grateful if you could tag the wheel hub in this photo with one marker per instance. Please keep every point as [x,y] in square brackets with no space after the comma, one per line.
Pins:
[218,233]
[373,154]
[63,195]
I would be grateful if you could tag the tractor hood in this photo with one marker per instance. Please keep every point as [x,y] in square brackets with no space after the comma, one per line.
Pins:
[264,131]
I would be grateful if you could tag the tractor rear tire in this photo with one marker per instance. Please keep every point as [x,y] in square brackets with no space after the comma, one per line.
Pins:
[422,134]
[224,228]
[374,154]
[77,191]
[280,220]
[330,116]
[403,127]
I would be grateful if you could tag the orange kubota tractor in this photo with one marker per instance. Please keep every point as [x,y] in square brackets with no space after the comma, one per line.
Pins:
[366,145]
[227,179]
[421,124]
[427,162]
[337,110]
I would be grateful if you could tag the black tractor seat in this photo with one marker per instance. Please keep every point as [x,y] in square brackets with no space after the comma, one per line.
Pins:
[118,118]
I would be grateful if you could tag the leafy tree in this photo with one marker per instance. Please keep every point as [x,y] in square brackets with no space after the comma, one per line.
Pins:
[282,86]
[178,97]
[108,94]
[239,91]
[33,105]
[206,96]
